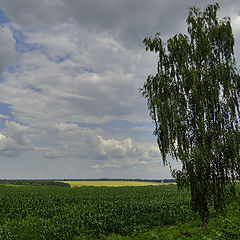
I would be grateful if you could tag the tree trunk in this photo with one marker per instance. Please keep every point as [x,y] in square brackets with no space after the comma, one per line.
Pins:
[205,220]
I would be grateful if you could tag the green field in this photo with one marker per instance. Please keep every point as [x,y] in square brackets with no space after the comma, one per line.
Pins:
[113,183]
[64,213]
[90,212]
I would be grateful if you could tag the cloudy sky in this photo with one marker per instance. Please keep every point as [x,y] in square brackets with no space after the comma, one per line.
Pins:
[70,71]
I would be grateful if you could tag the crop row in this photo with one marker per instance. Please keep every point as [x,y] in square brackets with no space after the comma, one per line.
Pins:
[64,213]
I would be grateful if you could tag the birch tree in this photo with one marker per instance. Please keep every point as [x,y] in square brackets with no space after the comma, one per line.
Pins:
[194,102]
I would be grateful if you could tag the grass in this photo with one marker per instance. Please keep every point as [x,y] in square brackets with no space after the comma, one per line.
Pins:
[221,227]
[113,183]
[11,185]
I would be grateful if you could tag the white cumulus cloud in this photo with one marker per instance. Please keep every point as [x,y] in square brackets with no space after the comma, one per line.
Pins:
[14,142]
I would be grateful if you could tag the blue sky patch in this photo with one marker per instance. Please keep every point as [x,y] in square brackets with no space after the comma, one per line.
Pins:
[1,78]
[11,69]
[60,59]
[34,89]
[122,124]
[21,45]
[3,18]
[115,124]
[2,123]
[5,109]
[88,70]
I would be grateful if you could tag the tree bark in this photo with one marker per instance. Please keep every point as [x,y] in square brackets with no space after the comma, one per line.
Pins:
[205,220]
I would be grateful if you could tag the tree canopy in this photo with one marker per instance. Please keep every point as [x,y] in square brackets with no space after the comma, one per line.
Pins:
[194,102]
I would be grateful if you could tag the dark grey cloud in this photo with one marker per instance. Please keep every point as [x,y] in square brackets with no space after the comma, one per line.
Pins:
[128,21]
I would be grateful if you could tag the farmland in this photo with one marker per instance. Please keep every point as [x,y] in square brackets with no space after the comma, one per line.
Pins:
[113,183]
[54,212]
[90,212]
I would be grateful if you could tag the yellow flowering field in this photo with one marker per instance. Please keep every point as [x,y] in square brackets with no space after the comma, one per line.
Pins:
[112,183]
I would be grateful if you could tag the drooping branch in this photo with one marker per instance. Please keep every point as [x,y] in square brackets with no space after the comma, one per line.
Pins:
[194,102]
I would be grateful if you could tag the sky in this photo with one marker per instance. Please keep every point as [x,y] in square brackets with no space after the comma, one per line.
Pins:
[70,73]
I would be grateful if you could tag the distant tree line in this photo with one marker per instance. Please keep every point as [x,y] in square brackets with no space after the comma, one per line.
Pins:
[34,183]
[121,179]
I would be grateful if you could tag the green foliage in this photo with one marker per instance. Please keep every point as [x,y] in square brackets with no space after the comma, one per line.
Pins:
[221,227]
[88,212]
[33,183]
[194,102]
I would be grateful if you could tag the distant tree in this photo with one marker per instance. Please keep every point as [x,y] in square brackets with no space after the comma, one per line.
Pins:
[194,102]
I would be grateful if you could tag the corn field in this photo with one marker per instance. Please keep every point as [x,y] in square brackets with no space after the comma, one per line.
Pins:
[88,212]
